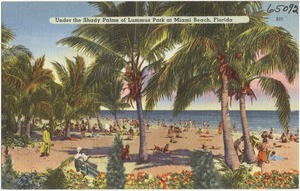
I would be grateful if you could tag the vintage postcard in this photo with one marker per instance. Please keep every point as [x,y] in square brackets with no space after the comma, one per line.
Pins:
[150,95]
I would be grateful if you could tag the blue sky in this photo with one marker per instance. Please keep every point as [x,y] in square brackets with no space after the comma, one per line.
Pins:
[29,22]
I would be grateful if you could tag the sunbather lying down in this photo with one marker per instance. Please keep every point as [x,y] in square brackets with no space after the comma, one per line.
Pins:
[276,157]
[209,147]
[279,146]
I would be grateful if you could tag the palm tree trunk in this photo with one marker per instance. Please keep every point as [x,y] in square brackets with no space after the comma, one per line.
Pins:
[116,119]
[68,128]
[99,121]
[19,126]
[250,156]
[143,154]
[88,123]
[27,122]
[231,158]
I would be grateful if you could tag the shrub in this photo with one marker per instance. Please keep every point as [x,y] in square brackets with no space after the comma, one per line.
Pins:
[56,178]
[31,180]
[115,168]
[17,141]
[203,170]
[236,179]
[8,175]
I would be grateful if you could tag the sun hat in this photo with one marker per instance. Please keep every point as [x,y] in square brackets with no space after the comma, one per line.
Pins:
[79,149]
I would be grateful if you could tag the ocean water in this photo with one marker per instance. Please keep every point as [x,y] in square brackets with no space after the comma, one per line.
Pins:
[258,121]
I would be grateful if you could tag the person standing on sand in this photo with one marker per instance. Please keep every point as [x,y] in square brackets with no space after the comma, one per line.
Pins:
[237,144]
[82,129]
[45,149]
[234,128]
[262,156]
[220,128]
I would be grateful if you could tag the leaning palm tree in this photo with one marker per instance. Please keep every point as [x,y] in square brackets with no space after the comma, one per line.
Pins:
[209,54]
[122,51]
[72,81]
[261,63]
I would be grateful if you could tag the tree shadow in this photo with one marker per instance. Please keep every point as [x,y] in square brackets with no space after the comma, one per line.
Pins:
[94,151]
[176,157]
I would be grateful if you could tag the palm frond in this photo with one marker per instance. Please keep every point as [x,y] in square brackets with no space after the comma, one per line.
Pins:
[275,41]
[191,89]
[277,91]
[86,46]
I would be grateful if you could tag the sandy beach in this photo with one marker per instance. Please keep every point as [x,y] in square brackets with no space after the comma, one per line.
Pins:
[28,159]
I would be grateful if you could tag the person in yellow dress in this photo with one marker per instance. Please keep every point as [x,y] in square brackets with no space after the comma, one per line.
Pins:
[45,149]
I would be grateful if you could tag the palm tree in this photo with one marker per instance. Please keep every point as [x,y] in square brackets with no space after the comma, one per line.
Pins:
[112,98]
[264,62]
[28,82]
[119,48]
[13,60]
[209,53]
[74,97]
[201,64]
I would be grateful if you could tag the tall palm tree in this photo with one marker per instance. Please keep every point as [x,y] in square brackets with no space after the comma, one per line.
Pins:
[264,62]
[74,97]
[208,50]
[119,48]
[202,59]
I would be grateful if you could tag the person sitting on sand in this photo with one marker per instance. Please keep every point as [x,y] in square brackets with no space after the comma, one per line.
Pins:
[170,131]
[166,148]
[199,131]
[262,153]
[270,135]
[173,141]
[283,138]
[130,134]
[125,153]
[267,134]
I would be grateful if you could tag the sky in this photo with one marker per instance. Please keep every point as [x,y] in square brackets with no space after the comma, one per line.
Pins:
[29,21]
